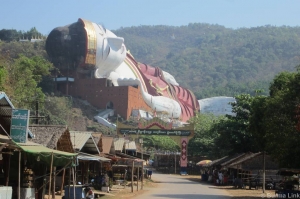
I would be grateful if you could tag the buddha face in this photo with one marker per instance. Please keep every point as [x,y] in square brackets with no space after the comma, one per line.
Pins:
[88,45]
[110,51]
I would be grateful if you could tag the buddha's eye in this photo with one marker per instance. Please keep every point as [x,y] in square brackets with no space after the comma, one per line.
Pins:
[122,50]
[108,52]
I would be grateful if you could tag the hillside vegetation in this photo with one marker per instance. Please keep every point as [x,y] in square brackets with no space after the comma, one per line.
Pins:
[212,60]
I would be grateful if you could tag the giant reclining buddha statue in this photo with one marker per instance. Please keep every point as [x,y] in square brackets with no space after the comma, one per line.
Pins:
[91,45]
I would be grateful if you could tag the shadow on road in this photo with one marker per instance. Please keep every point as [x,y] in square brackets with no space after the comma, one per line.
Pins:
[190,196]
[172,182]
[237,193]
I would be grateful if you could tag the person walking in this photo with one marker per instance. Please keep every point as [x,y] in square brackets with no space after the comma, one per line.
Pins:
[220,177]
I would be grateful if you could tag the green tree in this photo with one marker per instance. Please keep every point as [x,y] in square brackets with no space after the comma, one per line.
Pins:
[234,136]
[280,119]
[3,73]
[161,143]
[257,127]
[203,142]
[24,76]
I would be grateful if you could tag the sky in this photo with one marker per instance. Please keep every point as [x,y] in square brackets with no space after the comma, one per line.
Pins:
[45,15]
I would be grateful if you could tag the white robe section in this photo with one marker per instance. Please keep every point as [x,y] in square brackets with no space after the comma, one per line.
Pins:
[217,105]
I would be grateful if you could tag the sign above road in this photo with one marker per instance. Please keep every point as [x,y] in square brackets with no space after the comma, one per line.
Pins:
[155,132]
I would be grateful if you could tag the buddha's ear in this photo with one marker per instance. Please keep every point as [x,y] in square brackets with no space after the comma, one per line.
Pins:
[115,42]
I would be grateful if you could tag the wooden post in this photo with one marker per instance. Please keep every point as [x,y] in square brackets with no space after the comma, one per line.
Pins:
[142,178]
[62,181]
[43,191]
[7,167]
[53,183]
[82,171]
[125,173]
[175,163]
[137,179]
[19,177]
[132,170]
[69,193]
[50,176]
[73,175]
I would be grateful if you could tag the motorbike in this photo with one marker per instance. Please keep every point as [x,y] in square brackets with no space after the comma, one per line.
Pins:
[270,184]
[88,192]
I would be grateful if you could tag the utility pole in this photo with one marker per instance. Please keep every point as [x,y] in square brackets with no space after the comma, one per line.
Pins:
[132,170]
[264,171]
[175,162]
[36,111]
[142,178]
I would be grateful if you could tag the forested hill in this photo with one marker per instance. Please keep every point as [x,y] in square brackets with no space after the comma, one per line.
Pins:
[212,60]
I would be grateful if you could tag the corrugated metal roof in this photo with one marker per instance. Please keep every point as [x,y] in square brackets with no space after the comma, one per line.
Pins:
[107,143]
[119,144]
[97,138]
[84,141]
[130,146]
[6,108]
[89,157]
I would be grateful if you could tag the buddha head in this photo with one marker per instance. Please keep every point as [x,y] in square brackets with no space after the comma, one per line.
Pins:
[87,45]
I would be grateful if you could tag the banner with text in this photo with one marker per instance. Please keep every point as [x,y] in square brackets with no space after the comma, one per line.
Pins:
[19,125]
[155,132]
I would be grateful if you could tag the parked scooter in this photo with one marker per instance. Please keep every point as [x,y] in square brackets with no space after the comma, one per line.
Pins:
[270,184]
[88,192]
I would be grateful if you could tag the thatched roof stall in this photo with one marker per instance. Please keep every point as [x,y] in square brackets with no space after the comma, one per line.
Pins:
[288,172]
[215,162]
[53,137]
[91,164]
[219,163]
[251,166]
[39,152]
[234,158]
[32,159]
[254,161]
[84,141]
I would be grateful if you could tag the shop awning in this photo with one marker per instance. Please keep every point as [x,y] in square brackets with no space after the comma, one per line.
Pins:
[44,154]
[89,157]
[41,153]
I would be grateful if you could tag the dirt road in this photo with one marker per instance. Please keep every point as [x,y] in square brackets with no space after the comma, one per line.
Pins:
[185,187]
